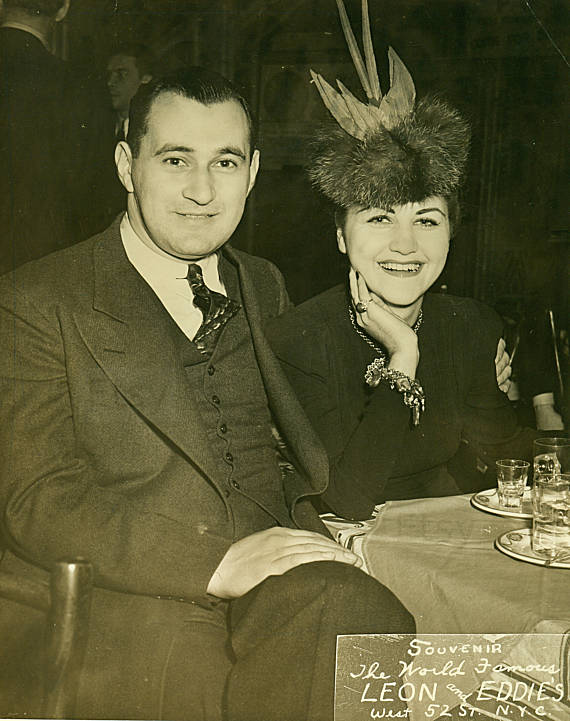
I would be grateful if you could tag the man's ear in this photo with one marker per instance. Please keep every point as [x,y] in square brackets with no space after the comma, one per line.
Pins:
[253,168]
[146,78]
[340,241]
[124,161]
[62,12]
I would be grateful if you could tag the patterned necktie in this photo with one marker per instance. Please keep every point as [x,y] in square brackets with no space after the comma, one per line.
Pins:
[216,310]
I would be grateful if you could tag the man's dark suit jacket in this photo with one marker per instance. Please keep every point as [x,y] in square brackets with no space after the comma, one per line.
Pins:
[102,454]
[46,117]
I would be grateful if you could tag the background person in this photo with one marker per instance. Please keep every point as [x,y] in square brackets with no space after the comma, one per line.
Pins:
[535,335]
[129,66]
[45,131]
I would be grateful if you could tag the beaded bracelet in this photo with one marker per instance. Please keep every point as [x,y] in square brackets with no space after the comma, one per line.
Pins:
[413,394]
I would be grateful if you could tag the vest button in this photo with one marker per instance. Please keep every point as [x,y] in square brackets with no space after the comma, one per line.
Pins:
[223,428]
[229,457]
[226,492]
[235,484]
[211,370]
[215,400]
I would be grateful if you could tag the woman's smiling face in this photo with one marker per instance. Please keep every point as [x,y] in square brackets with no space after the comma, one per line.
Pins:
[400,251]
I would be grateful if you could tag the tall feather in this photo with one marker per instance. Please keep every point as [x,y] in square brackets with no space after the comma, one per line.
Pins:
[369,54]
[365,116]
[399,100]
[355,117]
[353,49]
[337,106]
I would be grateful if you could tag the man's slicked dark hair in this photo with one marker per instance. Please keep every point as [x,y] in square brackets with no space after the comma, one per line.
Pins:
[195,83]
[42,7]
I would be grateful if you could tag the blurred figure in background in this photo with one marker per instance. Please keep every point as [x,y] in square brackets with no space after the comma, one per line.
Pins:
[129,66]
[44,124]
[537,340]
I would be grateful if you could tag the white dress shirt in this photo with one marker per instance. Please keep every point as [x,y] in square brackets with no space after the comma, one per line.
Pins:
[166,275]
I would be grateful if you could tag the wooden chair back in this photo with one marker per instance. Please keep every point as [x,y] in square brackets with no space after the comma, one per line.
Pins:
[66,601]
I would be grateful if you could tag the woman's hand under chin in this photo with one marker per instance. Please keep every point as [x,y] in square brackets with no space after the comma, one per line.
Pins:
[382,324]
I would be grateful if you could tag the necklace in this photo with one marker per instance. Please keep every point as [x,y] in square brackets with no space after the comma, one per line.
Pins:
[372,343]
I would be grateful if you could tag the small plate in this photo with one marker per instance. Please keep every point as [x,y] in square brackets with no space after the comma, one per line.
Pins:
[517,544]
[489,501]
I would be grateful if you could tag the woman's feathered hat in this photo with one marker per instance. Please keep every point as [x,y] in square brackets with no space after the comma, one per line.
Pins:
[392,150]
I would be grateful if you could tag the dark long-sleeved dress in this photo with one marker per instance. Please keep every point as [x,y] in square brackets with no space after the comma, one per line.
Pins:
[375,454]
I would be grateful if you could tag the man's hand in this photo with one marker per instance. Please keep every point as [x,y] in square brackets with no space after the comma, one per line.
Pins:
[272,552]
[503,367]
[546,415]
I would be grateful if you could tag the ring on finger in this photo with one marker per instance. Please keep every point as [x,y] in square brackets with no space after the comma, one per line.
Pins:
[361,307]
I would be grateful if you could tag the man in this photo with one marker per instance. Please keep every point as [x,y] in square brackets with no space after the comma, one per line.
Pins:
[44,122]
[148,427]
[128,68]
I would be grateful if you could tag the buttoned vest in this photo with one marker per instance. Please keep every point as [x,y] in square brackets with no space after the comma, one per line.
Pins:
[227,390]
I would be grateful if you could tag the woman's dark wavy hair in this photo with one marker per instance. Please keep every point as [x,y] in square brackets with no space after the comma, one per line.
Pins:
[453,212]
[204,86]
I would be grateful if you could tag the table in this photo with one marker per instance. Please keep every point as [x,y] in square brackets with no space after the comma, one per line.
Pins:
[438,556]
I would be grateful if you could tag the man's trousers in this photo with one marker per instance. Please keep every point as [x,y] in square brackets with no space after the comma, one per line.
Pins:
[269,656]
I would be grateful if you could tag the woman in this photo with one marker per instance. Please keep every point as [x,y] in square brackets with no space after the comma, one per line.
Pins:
[399,384]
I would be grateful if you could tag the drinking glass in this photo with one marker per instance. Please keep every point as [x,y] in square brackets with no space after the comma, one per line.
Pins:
[551,514]
[511,481]
[551,456]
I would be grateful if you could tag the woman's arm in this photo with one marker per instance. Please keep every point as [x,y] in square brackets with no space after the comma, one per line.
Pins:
[360,430]
[361,467]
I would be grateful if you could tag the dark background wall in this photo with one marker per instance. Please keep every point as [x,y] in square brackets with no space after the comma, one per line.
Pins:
[503,62]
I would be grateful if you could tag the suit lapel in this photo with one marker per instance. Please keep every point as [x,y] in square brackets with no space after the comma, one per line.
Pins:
[127,335]
[285,407]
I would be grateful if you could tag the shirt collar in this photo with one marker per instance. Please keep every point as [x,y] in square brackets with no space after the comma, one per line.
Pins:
[157,268]
[25,28]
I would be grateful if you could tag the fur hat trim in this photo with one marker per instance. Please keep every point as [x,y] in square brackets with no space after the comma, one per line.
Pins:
[392,150]
[424,155]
